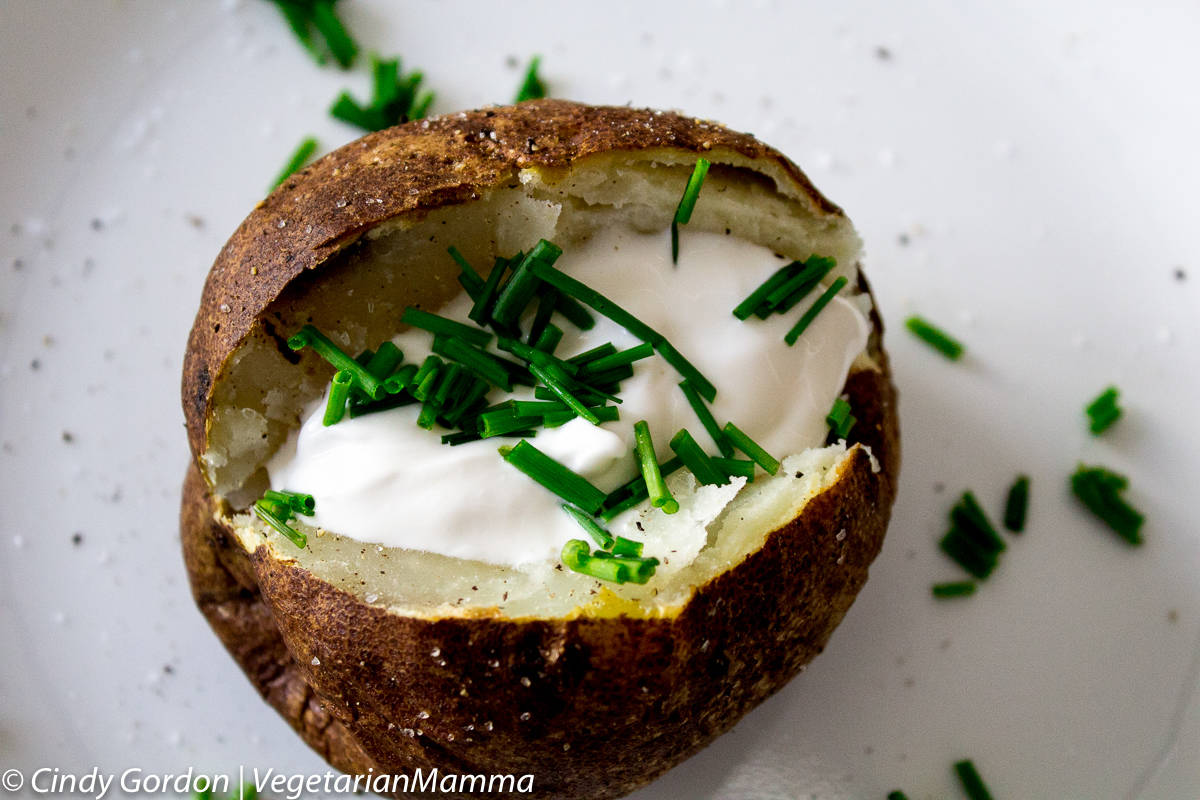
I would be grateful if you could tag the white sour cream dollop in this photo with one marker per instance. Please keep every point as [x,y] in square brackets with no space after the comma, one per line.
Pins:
[382,479]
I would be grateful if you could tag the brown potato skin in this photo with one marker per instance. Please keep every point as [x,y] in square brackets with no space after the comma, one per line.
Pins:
[611,703]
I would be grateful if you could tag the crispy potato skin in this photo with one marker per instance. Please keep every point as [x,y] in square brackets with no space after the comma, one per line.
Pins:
[592,707]
[411,170]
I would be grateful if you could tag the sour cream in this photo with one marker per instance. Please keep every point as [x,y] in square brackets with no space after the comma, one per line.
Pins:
[382,479]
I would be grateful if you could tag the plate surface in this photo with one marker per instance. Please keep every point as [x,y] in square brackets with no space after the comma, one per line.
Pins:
[1023,175]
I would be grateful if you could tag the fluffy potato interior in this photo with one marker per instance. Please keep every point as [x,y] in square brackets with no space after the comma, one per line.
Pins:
[357,298]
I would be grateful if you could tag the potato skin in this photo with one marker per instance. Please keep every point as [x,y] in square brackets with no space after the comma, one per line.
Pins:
[592,707]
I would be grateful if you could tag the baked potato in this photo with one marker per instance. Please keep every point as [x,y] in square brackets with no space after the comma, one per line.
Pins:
[370,652]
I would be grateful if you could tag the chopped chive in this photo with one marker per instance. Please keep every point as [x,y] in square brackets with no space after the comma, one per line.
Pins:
[423,389]
[547,298]
[340,44]
[936,338]
[968,554]
[609,376]
[1103,411]
[299,20]
[383,362]
[498,423]
[429,368]
[248,791]
[683,212]
[589,395]
[534,355]
[575,313]
[634,492]
[840,419]
[439,325]
[448,384]
[429,413]
[567,484]
[1017,504]
[462,437]
[815,270]
[347,109]
[300,156]
[294,536]
[473,394]
[309,336]
[339,393]
[395,383]
[387,403]
[481,309]
[806,319]
[656,488]
[394,98]
[532,86]
[522,284]
[483,364]
[735,467]
[594,529]
[555,383]
[365,357]
[971,781]
[470,280]
[953,589]
[1099,489]
[602,413]
[744,309]
[576,555]
[619,359]
[590,297]
[279,508]
[706,419]
[739,439]
[549,338]
[896,794]
[695,459]
[626,547]
[299,502]
[640,569]
[968,516]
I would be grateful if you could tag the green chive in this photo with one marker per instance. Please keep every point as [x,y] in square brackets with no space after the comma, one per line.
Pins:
[1017,505]
[300,21]
[620,359]
[326,21]
[735,467]
[813,310]
[1099,489]
[394,384]
[248,791]
[299,502]
[634,492]
[840,419]
[549,338]
[576,555]
[300,156]
[706,419]
[610,377]
[656,488]
[387,403]
[576,314]
[953,589]
[757,454]
[602,413]
[936,338]
[383,362]
[439,325]
[640,570]
[422,381]
[968,516]
[532,87]
[534,355]
[594,529]
[474,393]
[470,280]
[554,383]
[339,392]
[744,309]
[968,553]
[296,538]
[683,212]
[567,484]
[522,285]
[308,336]
[485,365]
[626,547]
[481,309]
[787,296]
[1103,411]
[547,299]
[499,423]
[971,782]
[696,460]
[279,508]
[896,794]
[449,384]
[590,297]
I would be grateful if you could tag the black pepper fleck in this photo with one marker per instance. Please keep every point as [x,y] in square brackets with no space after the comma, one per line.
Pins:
[97,224]
[18,264]
[68,437]
[35,365]
[903,239]
[883,54]
[77,538]
[939,487]
[1180,275]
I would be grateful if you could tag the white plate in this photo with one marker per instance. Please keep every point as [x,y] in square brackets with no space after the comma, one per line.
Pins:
[1040,166]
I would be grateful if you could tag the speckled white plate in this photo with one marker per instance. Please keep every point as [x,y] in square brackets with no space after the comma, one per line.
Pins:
[1024,175]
